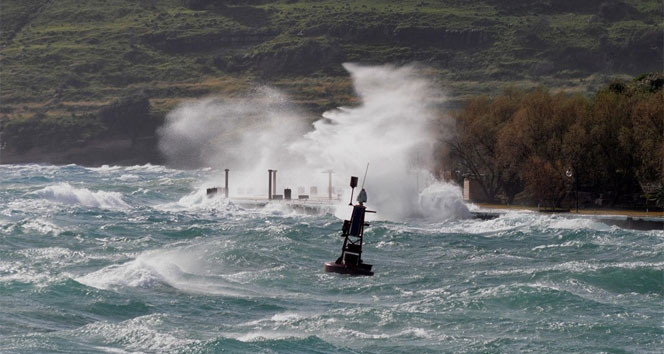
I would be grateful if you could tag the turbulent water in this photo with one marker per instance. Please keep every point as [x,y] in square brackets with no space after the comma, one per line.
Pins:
[135,259]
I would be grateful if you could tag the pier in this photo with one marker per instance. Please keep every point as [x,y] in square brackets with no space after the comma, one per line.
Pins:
[316,205]
[306,206]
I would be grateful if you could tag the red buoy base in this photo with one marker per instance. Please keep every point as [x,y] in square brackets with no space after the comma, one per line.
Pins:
[362,269]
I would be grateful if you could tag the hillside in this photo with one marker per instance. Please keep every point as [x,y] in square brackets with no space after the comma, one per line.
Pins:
[74,72]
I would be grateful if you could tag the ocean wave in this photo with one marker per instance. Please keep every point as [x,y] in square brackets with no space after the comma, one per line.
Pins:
[43,227]
[54,255]
[521,220]
[183,268]
[151,333]
[625,279]
[269,342]
[46,265]
[278,209]
[132,274]
[31,226]
[143,168]
[260,336]
[18,272]
[128,177]
[574,267]
[442,201]
[576,244]
[105,168]
[200,200]
[572,223]
[64,193]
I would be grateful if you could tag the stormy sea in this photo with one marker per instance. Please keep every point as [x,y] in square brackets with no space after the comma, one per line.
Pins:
[139,259]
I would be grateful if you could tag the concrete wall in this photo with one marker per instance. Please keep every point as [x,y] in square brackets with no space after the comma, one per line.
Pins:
[472,191]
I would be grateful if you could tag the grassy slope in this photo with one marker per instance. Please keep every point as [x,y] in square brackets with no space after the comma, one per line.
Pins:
[64,60]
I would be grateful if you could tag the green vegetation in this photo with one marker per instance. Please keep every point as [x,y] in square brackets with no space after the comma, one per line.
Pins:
[66,61]
[534,145]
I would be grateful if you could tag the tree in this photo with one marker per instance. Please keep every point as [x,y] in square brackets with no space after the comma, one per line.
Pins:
[609,149]
[474,146]
[648,136]
[546,181]
[526,141]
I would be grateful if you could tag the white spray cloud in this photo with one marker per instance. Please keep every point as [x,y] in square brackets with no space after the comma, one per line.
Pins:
[236,133]
[394,129]
[246,135]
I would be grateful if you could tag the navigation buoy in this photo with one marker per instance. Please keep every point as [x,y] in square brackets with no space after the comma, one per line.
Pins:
[350,261]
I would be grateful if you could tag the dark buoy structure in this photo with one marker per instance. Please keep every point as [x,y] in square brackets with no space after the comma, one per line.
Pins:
[350,261]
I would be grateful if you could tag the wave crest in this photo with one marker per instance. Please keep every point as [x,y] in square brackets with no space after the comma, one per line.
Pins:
[66,194]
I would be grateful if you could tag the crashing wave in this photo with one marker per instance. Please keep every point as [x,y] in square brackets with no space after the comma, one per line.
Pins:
[64,193]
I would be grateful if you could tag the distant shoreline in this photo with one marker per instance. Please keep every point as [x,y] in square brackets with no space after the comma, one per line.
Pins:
[582,211]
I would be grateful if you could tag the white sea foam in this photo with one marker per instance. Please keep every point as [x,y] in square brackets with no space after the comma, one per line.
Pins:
[148,168]
[43,266]
[417,332]
[147,270]
[141,191]
[276,208]
[286,317]
[16,271]
[564,244]
[128,177]
[105,168]
[42,227]
[31,226]
[200,200]
[578,224]
[133,274]
[519,220]
[64,193]
[32,270]
[148,333]
[347,332]
[54,255]
[259,336]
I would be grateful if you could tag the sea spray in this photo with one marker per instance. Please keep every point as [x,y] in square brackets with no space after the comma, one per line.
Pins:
[441,201]
[395,128]
[246,135]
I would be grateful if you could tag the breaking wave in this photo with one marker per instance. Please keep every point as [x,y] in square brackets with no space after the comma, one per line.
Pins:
[64,193]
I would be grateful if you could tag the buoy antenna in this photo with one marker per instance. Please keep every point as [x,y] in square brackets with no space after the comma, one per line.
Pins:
[365,176]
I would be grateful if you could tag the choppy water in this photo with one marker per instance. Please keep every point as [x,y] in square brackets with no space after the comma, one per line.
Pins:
[130,259]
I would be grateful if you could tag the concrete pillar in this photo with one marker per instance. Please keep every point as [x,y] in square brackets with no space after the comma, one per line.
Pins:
[226,183]
[274,181]
[329,184]
[269,184]
[466,189]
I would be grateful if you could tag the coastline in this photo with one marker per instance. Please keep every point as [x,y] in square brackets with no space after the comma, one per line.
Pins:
[592,212]
[627,219]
